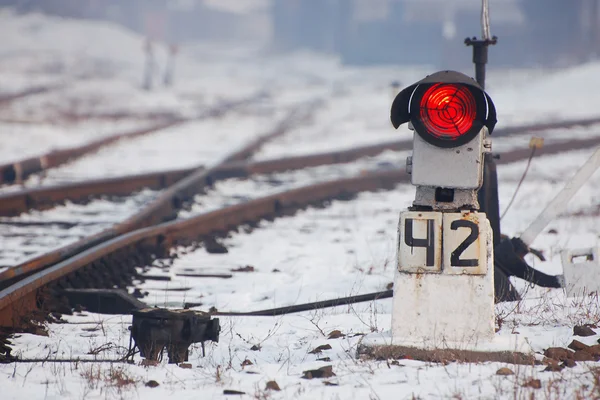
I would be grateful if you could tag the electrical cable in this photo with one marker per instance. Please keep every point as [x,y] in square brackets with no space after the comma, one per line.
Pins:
[519,184]
[310,306]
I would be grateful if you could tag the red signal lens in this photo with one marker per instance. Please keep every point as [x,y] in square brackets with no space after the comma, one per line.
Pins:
[448,111]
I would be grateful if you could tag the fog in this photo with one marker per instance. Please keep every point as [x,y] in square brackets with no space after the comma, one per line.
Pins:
[361,32]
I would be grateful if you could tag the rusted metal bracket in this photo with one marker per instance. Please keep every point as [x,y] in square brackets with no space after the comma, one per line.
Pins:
[154,329]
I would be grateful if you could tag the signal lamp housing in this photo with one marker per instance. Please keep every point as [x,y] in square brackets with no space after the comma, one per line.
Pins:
[447,109]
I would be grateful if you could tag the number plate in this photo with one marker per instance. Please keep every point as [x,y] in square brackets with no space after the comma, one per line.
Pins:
[449,243]
[465,243]
[420,246]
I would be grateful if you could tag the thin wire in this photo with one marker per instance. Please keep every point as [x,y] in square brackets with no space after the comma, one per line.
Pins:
[520,183]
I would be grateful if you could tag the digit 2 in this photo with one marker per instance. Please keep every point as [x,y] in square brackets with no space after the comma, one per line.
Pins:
[455,259]
[427,242]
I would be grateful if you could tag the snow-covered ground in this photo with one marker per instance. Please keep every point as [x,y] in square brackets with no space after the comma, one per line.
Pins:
[348,248]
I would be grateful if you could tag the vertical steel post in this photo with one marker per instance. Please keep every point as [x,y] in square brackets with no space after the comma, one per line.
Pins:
[488,194]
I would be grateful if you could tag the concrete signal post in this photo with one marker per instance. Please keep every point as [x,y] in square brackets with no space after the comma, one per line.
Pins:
[444,282]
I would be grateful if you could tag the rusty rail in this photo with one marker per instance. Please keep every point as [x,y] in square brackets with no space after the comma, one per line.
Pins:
[22,295]
[40,198]
[10,97]
[161,209]
[18,171]
[45,197]
[536,127]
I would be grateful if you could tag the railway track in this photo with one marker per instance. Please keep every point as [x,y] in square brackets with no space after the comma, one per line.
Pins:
[46,197]
[19,171]
[41,198]
[159,206]
[117,260]
[10,97]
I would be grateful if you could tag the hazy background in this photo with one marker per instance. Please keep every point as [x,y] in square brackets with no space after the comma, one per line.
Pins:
[546,33]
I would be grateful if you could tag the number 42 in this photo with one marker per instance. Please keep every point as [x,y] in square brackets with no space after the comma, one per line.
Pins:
[461,237]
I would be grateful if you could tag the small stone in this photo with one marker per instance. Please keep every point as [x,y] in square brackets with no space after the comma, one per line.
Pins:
[533,383]
[583,330]
[505,371]
[246,362]
[389,286]
[272,385]
[335,334]
[247,268]
[577,345]
[185,365]
[552,231]
[595,349]
[275,270]
[569,363]
[320,348]
[255,347]
[583,355]
[324,359]
[323,372]
[152,384]
[558,353]
[329,383]
[554,367]
[40,332]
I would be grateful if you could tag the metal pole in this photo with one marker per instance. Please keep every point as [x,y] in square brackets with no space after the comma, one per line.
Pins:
[594,30]
[485,20]
[480,46]
[488,194]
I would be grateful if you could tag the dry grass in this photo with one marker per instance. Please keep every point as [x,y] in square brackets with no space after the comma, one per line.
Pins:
[112,381]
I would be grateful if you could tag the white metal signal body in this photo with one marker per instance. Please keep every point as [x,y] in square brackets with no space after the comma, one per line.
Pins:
[456,167]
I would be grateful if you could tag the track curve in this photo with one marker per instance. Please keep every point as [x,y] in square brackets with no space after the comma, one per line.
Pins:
[120,253]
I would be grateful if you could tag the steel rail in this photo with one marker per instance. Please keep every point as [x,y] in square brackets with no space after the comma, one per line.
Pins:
[161,209]
[17,297]
[21,296]
[10,97]
[196,182]
[20,170]
[46,197]
[40,198]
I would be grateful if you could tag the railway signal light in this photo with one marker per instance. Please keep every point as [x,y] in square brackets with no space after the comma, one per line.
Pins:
[451,116]
[444,245]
